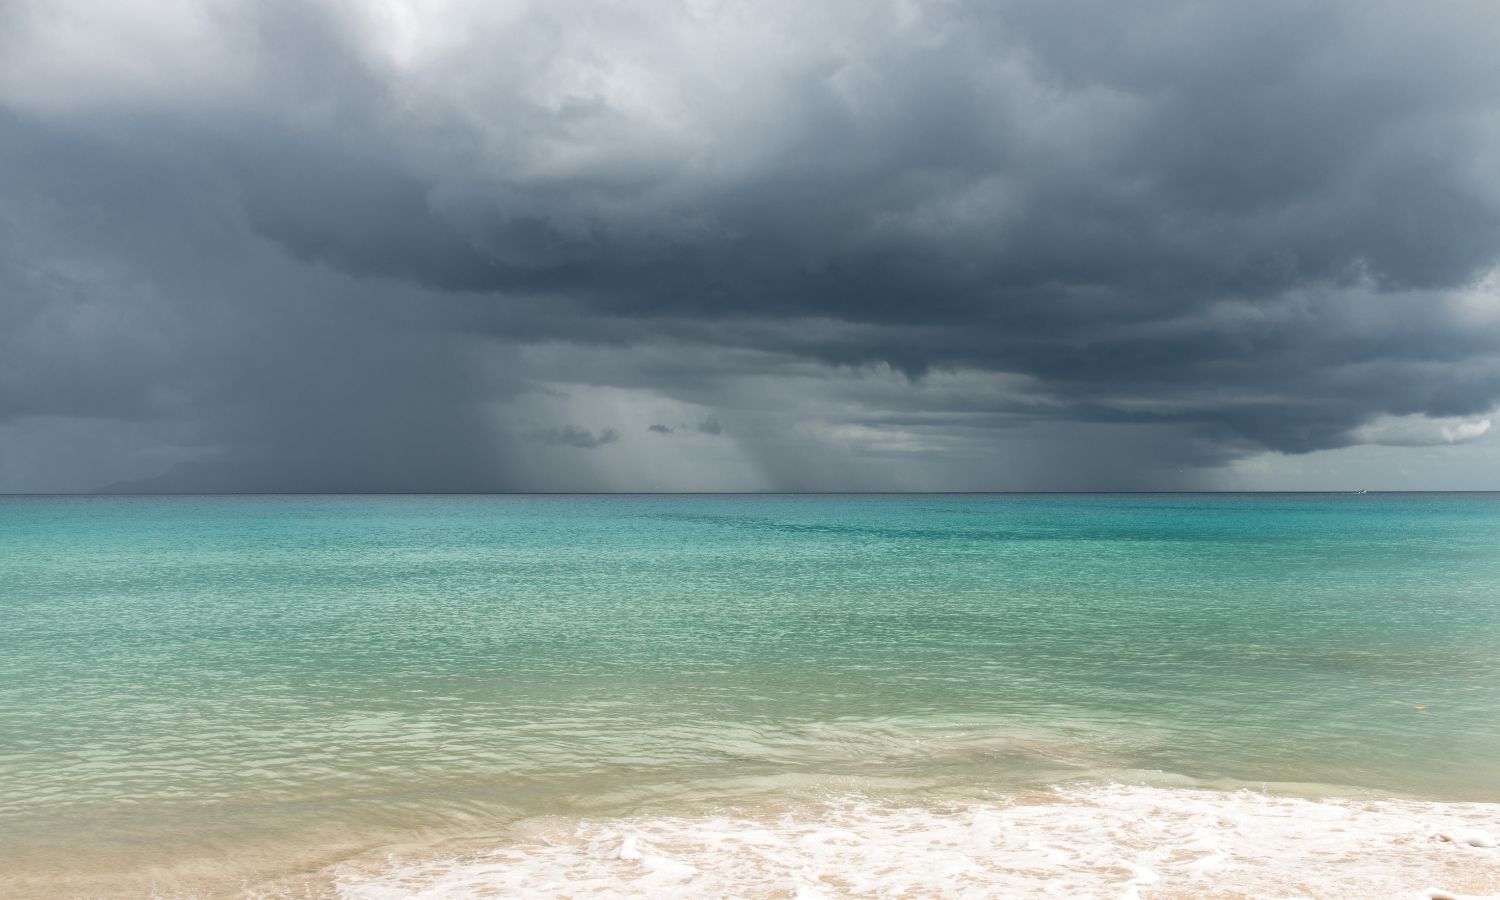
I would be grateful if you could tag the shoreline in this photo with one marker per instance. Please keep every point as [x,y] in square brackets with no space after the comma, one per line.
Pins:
[1102,839]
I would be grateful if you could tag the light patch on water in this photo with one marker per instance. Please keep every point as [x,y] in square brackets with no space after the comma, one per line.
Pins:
[1113,841]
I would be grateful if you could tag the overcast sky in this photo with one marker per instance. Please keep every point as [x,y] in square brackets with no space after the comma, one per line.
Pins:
[413,245]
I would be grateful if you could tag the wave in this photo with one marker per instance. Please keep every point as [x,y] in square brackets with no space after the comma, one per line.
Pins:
[1097,841]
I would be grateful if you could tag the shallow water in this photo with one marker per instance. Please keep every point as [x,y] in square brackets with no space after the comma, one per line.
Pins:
[207,694]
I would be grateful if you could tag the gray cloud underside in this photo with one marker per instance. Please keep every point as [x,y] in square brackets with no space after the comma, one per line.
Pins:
[576,436]
[286,235]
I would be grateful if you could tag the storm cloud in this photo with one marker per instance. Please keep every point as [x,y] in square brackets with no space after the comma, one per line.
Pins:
[575,436]
[905,245]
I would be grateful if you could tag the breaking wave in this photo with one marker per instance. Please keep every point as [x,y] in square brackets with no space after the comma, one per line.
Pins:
[1104,841]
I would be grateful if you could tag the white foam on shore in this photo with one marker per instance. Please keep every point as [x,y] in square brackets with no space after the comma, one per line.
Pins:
[1113,841]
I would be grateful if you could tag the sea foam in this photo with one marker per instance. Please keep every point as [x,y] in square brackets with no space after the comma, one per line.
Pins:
[1108,841]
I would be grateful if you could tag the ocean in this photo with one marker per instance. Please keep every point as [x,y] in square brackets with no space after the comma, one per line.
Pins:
[1153,695]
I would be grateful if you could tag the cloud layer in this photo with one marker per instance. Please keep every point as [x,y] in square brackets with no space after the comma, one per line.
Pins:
[478,246]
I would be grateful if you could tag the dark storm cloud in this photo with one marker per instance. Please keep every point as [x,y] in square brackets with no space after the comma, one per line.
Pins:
[1172,197]
[576,436]
[297,234]
[709,426]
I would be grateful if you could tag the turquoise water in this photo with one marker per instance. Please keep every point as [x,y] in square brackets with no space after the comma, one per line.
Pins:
[288,681]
